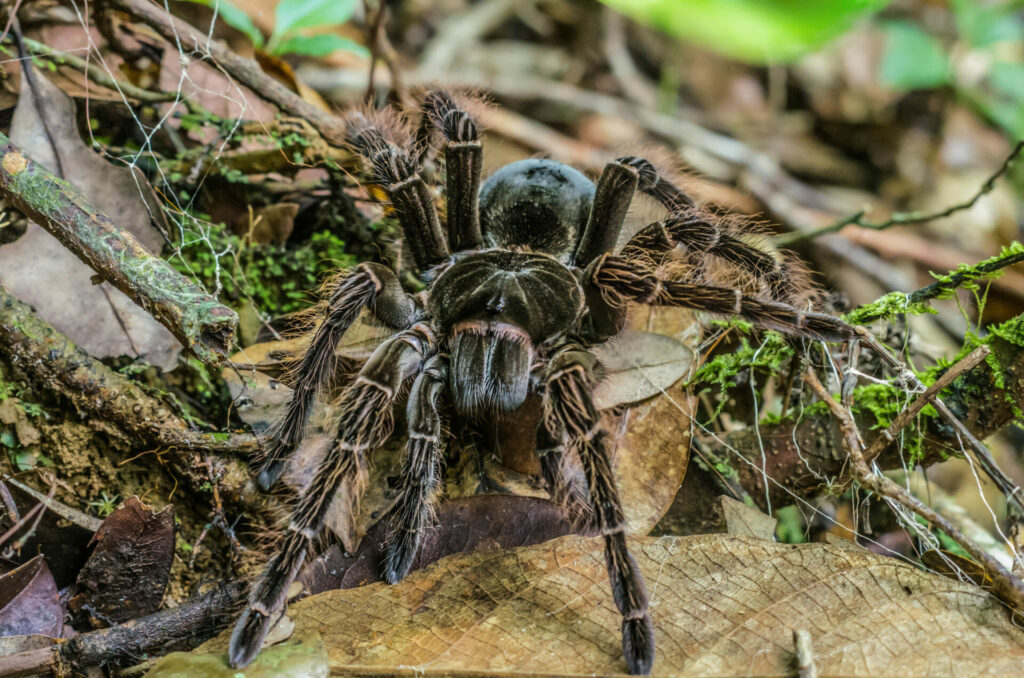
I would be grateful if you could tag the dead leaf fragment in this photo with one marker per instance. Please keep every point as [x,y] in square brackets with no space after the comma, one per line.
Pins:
[29,603]
[749,521]
[127,572]
[40,271]
[722,606]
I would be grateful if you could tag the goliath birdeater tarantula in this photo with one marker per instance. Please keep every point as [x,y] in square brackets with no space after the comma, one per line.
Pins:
[522,285]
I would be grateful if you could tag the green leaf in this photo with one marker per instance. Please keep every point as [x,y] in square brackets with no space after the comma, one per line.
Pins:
[986,24]
[913,59]
[319,46]
[1008,78]
[235,18]
[292,15]
[760,31]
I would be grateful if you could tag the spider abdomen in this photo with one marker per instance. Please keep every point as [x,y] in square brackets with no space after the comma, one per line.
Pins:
[536,203]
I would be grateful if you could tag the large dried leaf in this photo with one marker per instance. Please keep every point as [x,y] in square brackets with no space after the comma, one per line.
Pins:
[29,603]
[722,605]
[40,271]
[127,573]
[638,366]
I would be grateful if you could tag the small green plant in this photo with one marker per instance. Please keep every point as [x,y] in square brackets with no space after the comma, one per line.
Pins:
[105,505]
[291,19]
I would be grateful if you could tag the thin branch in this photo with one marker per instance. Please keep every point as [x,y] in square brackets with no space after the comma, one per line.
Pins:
[889,434]
[981,453]
[128,642]
[188,41]
[906,218]
[1009,588]
[196,319]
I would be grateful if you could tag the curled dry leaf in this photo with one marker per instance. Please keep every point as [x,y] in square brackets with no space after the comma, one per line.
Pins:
[127,572]
[38,270]
[29,603]
[722,605]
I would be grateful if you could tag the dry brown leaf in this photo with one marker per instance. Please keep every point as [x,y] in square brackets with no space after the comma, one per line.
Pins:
[127,572]
[40,271]
[723,605]
[29,602]
[638,366]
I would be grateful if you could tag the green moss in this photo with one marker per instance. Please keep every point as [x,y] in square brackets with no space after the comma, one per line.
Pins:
[274,280]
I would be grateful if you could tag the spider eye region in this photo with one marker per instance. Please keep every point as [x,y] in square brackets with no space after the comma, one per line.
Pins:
[539,204]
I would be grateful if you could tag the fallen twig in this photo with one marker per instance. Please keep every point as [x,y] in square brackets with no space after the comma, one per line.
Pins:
[906,218]
[131,641]
[981,453]
[196,319]
[49,360]
[890,433]
[1009,588]
[188,41]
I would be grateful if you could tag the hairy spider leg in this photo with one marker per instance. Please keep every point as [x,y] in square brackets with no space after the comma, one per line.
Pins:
[394,169]
[621,281]
[369,285]
[565,486]
[365,423]
[697,234]
[568,403]
[615,188]
[420,478]
[463,162]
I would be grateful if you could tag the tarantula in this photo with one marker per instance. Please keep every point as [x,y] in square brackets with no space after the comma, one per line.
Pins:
[519,289]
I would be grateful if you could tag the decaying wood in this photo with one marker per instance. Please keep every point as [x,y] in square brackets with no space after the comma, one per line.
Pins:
[126,643]
[51,361]
[201,323]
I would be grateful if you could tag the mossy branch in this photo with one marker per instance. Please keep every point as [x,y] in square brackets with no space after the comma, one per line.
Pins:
[198,320]
[49,360]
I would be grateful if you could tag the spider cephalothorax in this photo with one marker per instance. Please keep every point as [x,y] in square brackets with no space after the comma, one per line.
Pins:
[522,282]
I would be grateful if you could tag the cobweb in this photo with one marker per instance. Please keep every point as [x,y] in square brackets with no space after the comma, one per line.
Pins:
[189,230]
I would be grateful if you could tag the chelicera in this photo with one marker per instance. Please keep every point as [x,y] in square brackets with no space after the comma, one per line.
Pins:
[521,283]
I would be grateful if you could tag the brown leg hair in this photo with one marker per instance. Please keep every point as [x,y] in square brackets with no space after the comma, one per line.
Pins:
[569,407]
[421,469]
[365,423]
[394,168]
[621,281]
[369,285]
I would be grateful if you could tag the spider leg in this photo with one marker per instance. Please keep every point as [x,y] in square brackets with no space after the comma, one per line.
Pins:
[368,285]
[463,161]
[568,402]
[565,489]
[699,235]
[615,188]
[396,170]
[695,232]
[365,423]
[622,281]
[421,476]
